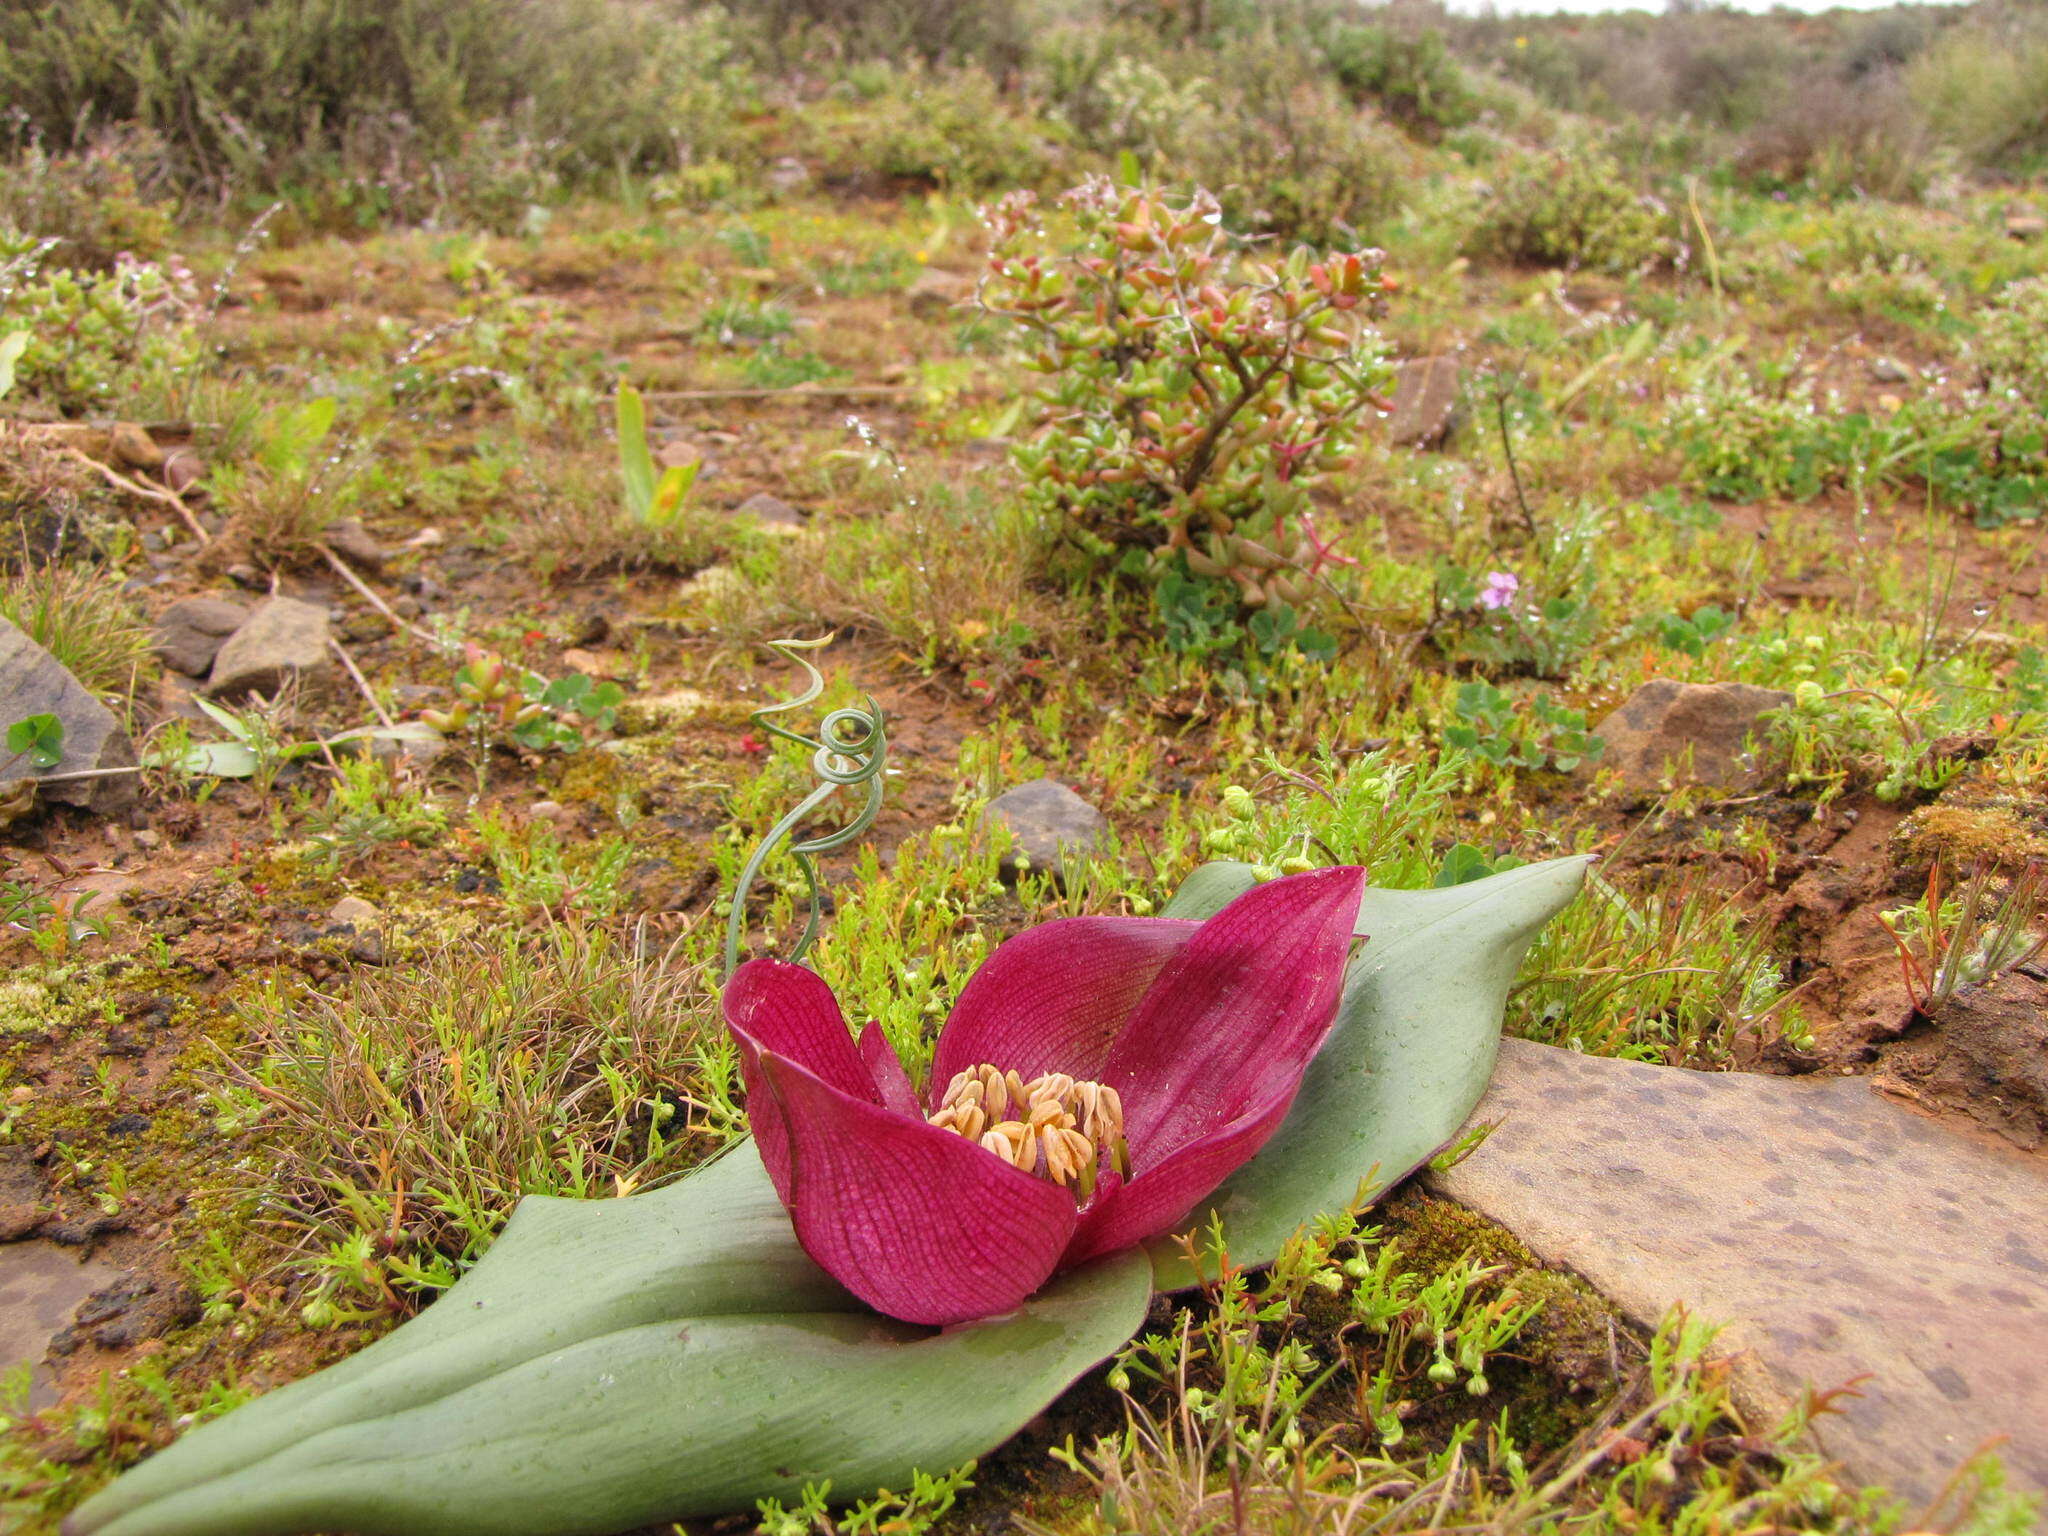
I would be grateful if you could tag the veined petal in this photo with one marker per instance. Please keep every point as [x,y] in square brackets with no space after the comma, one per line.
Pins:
[918,1222]
[1232,1022]
[886,1068]
[1156,1199]
[1055,998]
[789,1010]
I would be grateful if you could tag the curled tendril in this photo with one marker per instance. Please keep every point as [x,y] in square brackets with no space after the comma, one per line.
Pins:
[850,749]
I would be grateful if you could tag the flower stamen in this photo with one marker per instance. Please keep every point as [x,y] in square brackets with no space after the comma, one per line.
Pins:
[1056,1125]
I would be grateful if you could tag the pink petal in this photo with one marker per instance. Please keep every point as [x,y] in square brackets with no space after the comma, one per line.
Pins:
[918,1222]
[886,1068]
[1157,1200]
[1233,1021]
[789,1010]
[1055,998]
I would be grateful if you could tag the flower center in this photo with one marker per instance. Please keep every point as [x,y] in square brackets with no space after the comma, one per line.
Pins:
[1054,1126]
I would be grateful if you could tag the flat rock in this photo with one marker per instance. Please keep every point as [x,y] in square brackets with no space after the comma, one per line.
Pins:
[1985,1054]
[1048,824]
[33,682]
[40,1286]
[1649,736]
[190,632]
[1832,1232]
[283,639]
[1425,401]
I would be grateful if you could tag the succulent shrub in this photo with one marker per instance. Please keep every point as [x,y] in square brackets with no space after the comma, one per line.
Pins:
[1194,394]
[93,334]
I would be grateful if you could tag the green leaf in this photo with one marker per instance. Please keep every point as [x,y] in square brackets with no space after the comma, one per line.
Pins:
[39,737]
[611,1364]
[1410,1056]
[12,346]
[217,759]
[1461,866]
[636,463]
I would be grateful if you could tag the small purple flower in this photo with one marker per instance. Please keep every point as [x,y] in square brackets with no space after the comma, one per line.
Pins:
[1500,589]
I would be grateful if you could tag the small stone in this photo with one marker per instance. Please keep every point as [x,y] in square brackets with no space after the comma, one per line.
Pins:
[1889,370]
[935,292]
[547,810]
[182,469]
[189,633]
[1049,825]
[2025,226]
[148,837]
[788,174]
[129,1125]
[592,663]
[427,538]
[679,453]
[406,606]
[244,575]
[134,447]
[284,639]
[351,540]
[33,682]
[770,509]
[1831,1232]
[356,912]
[1650,734]
[1425,401]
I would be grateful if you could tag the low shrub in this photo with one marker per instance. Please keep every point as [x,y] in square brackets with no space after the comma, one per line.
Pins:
[268,92]
[1571,208]
[102,202]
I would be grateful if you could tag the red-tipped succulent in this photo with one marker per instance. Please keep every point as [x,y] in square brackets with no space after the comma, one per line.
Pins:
[1098,1077]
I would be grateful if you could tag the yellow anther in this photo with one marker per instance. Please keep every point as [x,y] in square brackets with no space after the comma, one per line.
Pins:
[1056,1123]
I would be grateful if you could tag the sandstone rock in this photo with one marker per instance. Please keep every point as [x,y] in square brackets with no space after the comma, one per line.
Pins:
[1048,824]
[1987,1056]
[1831,1231]
[356,912]
[2025,225]
[351,540]
[189,633]
[283,639]
[24,1197]
[33,682]
[1425,401]
[1649,735]
[130,1310]
[39,1287]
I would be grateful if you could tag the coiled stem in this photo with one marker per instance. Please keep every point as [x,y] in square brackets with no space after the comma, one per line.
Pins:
[850,749]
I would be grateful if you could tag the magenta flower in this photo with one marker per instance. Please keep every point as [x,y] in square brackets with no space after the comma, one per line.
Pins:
[1096,1079]
[1500,589]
